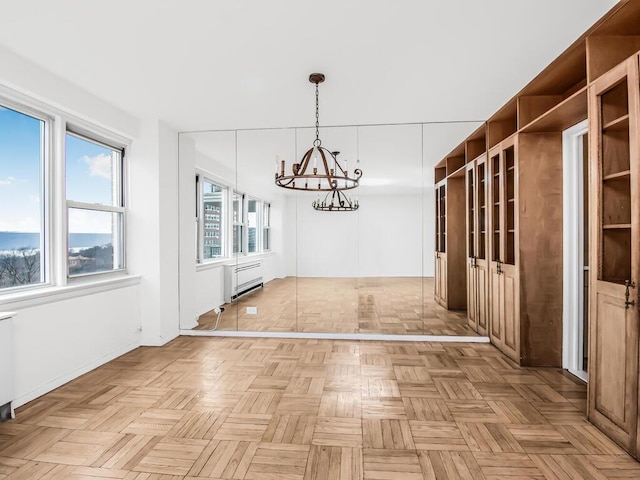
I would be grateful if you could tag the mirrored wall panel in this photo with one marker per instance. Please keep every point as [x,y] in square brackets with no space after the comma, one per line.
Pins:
[257,257]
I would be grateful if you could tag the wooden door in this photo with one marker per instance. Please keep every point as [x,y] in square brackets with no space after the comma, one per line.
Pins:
[482,296]
[436,282]
[508,268]
[443,280]
[509,314]
[471,225]
[614,177]
[481,265]
[496,286]
[439,241]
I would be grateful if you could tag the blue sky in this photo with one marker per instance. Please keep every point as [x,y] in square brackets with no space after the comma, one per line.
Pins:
[88,176]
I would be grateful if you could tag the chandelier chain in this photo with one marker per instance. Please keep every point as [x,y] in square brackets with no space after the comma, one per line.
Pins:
[317,142]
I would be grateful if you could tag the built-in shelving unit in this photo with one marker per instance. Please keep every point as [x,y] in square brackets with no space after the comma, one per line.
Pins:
[512,166]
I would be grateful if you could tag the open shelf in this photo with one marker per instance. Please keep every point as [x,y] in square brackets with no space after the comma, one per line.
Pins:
[625,174]
[621,123]
[476,144]
[503,124]
[616,226]
[614,103]
[570,111]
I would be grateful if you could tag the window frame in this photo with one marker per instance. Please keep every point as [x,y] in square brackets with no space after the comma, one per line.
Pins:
[120,249]
[202,178]
[54,252]
[258,228]
[242,242]
[47,254]
[266,226]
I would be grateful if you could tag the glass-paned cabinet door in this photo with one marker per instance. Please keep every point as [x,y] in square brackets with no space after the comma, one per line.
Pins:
[481,211]
[616,185]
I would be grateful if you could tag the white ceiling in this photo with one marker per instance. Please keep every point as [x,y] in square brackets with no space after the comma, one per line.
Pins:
[208,64]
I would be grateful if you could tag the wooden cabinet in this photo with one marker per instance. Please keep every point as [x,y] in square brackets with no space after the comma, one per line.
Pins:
[520,273]
[614,131]
[505,325]
[449,255]
[525,248]
[476,264]
[440,290]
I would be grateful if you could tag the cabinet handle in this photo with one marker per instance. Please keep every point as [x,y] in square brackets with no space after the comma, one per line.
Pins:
[499,263]
[628,284]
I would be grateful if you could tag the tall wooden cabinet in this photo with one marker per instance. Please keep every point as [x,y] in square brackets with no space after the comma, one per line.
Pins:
[614,131]
[476,265]
[440,284]
[505,323]
[450,252]
[525,248]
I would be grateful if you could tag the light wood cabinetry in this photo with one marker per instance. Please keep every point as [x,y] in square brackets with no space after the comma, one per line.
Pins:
[614,115]
[477,266]
[449,255]
[505,326]
[598,77]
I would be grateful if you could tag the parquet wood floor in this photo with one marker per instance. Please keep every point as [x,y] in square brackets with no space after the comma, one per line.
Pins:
[391,305]
[265,409]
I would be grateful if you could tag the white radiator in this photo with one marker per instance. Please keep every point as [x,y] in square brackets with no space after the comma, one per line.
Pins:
[242,278]
[6,365]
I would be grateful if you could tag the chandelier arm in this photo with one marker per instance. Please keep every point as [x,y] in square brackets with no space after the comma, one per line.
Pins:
[324,161]
[304,164]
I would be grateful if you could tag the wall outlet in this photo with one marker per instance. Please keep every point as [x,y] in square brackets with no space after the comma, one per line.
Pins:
[252,310]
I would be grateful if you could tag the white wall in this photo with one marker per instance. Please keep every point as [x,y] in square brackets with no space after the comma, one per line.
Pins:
[56,342]
[382,238]
[62,335]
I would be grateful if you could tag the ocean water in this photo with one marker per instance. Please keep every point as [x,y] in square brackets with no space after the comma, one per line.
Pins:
[17,240]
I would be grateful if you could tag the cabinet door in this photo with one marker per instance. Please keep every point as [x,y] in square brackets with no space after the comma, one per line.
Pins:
[481,270]
[443,279]
[482,296]
[496,330]
[614,254]
[509,316]
[471,224]
[472,290]
[436,282]
[494,228]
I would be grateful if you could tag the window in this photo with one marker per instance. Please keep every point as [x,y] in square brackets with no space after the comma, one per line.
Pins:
[95,206]
[253,217]
[238,223]
[229,222]
[266,226]
[212,199]
[23,160]
[62,209]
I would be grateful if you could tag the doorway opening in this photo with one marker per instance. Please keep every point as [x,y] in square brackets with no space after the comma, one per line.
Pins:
[575,249]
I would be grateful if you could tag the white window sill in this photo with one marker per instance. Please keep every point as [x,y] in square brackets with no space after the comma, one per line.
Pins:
[49,294]
[232,261]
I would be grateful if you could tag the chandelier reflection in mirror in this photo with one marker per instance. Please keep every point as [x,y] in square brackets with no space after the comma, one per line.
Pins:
[330,176]
[336,200]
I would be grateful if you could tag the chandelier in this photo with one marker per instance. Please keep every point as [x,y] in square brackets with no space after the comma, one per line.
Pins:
[329,176]
[336,200]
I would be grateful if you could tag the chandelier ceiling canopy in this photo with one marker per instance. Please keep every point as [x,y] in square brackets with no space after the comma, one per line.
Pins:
[319,169]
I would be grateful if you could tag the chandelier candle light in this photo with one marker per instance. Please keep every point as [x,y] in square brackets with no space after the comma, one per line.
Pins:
[330,177]
[336,200]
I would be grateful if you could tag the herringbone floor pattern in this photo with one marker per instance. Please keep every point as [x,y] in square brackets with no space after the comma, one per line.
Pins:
[267,409]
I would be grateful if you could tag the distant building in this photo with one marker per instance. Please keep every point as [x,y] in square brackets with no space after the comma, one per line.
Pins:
[212,241]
